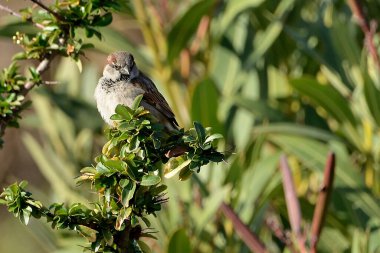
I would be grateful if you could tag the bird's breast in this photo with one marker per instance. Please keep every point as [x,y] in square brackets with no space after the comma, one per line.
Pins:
[109,96]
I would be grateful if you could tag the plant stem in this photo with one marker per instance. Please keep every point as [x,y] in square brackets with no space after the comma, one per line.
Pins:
[16,14]
[367,28]
[249,238]
[322,202]
[43,6]
[292,203]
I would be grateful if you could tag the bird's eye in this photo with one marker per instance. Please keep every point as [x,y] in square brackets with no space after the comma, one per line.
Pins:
[116,66]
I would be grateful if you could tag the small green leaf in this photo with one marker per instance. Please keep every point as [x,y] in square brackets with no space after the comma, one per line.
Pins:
[179,242]
[123,182]
[90,170]
[185,174]
[124,214]
[104,20]
[144,247]
[136,102]
[170,170]
[201,132]
[124,112]
[88,233]
[213,137]
[148,180]
[115,165]
[108,237]
[128,193]
[101,168]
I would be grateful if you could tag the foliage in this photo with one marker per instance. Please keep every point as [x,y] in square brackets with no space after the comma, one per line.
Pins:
[273,77]
[59,26]
[126,179]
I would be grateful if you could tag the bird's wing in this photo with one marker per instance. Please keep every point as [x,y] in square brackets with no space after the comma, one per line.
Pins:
[154,97]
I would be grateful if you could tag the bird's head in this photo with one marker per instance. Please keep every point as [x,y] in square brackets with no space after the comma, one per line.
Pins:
[121,63]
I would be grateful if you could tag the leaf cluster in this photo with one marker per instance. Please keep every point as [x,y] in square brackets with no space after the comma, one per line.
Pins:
[61,33]
[127,179]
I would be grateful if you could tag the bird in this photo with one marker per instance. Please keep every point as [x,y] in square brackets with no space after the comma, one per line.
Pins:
[122,82]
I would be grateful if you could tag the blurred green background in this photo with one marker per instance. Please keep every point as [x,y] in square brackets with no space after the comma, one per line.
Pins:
[273,77]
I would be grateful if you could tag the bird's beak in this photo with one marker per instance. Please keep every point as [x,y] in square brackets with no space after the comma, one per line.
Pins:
[124,71]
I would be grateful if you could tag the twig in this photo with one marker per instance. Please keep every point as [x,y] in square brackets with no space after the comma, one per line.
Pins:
[358,13]
[322,202]
[10,11]
[43,6]
[16,14]
[42,67]
[249,238]
[292,203]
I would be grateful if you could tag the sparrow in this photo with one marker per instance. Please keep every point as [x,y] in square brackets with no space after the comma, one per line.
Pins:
[122,82]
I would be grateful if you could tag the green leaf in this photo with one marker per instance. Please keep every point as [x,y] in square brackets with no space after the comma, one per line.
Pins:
[90,170]
[123,182]
[128,193]
[144,247]
[185,27]
[185,174]
[124,112]
[327,97]
[148,180]
[108,237]
[201,132]
[205,104]
[136,102]
[234,8]
[101,168]
[115,165]
[372,95]
[104,20]
[213,137]
[87,232]
[174,166]
[124,214]
[179,242]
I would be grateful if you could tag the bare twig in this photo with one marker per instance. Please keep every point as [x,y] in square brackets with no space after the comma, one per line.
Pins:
[292,203]
[322,202]
[16,14]
[43,6]
[250,239]
[367,28]
[10,11]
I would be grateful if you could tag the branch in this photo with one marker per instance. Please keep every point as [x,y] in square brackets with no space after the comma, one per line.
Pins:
[16,14]
[249,238]
[42,67]
[367,28]
[292,203]
[43,6]
[322,202]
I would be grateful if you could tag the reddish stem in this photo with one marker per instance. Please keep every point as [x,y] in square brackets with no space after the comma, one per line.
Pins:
[322,202]
[357,11]
[292,203]
[249,238]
